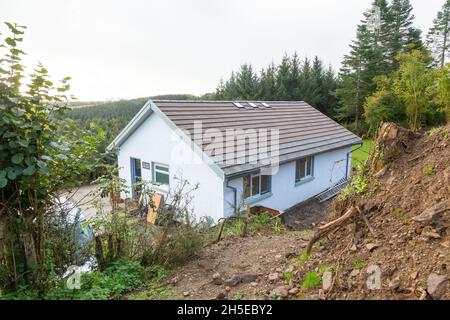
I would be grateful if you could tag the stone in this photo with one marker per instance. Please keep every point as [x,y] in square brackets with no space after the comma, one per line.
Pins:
[290,269]
[372,246]
[233,281]
[174,280]
[414,275]
[280,291]
[222,296]
[247,278]
[278,256]
[293,291]
[435,285]
[327,280]
[217,279]
[254,284]
[186,293]
[274,277]
[431,234]
[354,273]
[394,284]
[353,248]
[431,214]
[227,289]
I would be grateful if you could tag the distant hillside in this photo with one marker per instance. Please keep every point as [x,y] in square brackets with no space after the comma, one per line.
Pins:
[113,116]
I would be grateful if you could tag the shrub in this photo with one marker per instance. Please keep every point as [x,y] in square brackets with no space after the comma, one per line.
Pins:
[358,265]
[428,170]
[121,277]
[312,279]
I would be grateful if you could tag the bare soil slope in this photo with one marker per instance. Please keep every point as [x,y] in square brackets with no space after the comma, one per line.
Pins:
[409,213]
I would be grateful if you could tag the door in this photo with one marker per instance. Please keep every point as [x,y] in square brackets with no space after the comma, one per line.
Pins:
[136,177]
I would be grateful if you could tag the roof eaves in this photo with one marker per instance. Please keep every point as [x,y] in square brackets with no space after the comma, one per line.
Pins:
[137,120]
[210,162]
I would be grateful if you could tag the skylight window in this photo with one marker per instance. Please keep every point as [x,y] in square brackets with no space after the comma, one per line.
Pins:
[254,105]
[237,104]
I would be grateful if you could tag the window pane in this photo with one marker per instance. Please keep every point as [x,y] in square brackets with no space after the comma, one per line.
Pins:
[300,170]
[255,185]
[309,166]
[265,184]
[162,178]
[161,168]
[246,186]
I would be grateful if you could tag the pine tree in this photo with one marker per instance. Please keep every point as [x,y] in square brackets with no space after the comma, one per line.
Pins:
[438,38]
[282,79]
[369,57]
[246,83]
[401,32]
[267,87]
[294,78]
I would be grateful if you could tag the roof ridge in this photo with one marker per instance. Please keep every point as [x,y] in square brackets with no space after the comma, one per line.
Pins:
[225,101]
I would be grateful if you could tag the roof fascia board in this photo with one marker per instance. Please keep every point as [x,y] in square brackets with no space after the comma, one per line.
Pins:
[137,120]
[217,170]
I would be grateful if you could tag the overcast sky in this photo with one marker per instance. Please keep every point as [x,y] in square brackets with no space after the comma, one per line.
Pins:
[134,48]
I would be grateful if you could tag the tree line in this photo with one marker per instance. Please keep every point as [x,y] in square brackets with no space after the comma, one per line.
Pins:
[389,74]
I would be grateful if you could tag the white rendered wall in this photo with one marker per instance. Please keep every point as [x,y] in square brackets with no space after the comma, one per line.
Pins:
[153,142]
[329,168]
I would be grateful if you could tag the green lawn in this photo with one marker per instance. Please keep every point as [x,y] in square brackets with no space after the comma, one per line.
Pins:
[361,154]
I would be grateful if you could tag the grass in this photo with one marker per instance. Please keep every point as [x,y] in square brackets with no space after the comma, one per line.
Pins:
[287,276]
[428,170]
[312,279]
[358,265]
[361,154]
[239,296]
[398,213]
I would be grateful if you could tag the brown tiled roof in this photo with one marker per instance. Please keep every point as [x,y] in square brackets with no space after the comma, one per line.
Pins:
[303,130]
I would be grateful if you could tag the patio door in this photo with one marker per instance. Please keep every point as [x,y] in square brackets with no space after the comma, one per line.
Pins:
[136,176]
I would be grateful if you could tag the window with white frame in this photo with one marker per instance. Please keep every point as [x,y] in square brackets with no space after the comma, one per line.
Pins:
[304,169]
[161,173]
[256,185]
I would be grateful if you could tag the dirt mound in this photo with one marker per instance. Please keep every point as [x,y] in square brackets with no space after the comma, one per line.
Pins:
[408,211]
[240,268]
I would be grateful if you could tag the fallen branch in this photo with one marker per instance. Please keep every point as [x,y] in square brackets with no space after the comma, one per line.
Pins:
[366,221]
[329,227]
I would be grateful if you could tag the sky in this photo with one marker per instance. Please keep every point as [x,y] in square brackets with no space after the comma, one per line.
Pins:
[138,48]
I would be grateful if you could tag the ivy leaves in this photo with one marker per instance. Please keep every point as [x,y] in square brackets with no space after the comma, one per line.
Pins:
[17,158]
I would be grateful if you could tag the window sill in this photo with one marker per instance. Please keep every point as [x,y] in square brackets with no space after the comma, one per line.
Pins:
[303,181]
[161,188]
[254,200]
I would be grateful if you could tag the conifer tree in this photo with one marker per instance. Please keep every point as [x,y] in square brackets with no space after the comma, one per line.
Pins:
[438,38]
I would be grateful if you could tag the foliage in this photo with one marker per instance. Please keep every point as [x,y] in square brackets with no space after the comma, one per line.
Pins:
[36,148]
[398,213]
[361,153]
[239,296]
[287,276]
[411,85]
[312,279]
[428,170]
[358,265]
[254,224]
[292,79]
[438,38]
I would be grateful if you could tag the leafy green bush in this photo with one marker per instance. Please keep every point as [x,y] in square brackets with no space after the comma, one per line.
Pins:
[121,277]
[428,170]
[312,279]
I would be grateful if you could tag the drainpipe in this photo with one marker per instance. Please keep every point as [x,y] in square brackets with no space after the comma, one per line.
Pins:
[235,196]
[348,157]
